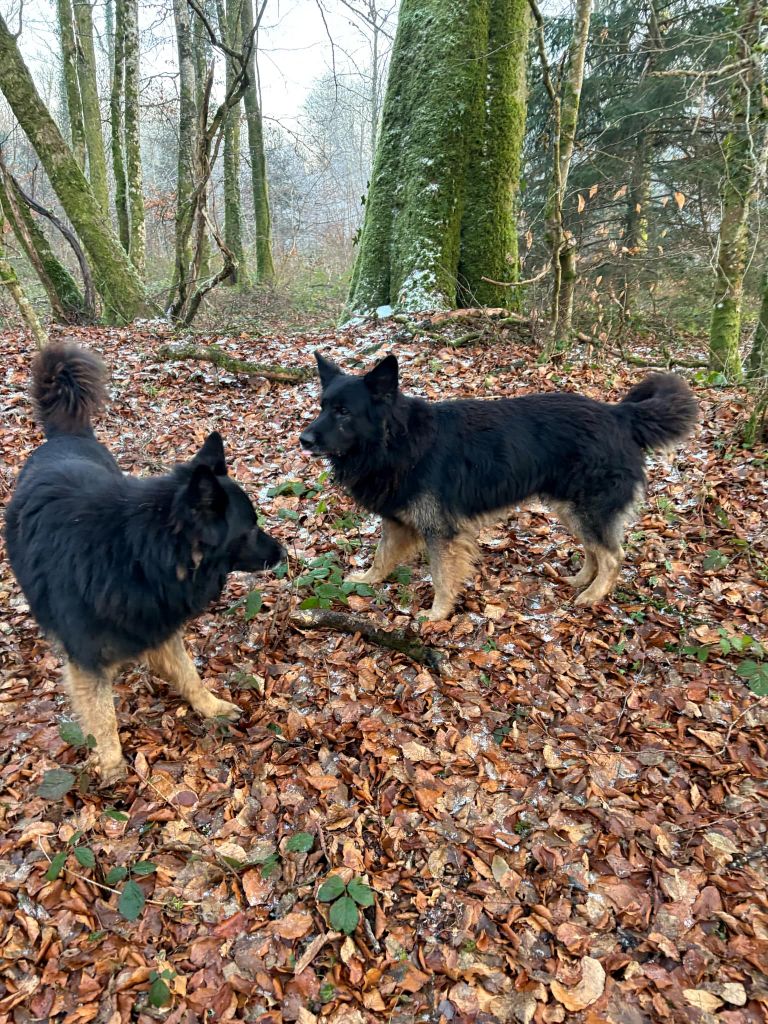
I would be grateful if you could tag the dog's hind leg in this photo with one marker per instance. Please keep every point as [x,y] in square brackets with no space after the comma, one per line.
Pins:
[451,562]
[608,566]
[93,702]
[398,543]
[568,517]
[171,662]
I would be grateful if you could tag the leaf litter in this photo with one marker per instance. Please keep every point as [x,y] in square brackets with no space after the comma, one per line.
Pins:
[565,822]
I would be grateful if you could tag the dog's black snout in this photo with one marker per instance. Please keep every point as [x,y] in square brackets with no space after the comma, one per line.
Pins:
[307,439]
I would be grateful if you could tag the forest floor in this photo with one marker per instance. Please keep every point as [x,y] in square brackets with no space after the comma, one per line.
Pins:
[565,821]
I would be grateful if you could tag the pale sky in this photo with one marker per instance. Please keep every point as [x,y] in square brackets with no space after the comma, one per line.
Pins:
[294,44]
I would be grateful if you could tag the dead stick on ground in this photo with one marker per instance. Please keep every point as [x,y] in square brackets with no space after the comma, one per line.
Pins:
[397,639]
[211,354]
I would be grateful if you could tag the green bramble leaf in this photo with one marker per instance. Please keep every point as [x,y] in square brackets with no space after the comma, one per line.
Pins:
[85,856]
[332,887]
[361,893]
[56,783]
[115,875]
[300,842]
[344,915]
[131,902]
[56,866]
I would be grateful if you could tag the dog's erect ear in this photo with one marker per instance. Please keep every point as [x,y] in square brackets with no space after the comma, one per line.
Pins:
[204,494]
[326,369]
[381,381]
[212,454]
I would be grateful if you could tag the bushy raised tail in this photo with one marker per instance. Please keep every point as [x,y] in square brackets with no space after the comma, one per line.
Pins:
[68,388]
[660,410]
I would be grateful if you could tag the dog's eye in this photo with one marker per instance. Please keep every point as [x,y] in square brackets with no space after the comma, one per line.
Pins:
[341,410]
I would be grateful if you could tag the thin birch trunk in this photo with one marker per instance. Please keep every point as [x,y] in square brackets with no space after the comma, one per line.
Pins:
[86,74]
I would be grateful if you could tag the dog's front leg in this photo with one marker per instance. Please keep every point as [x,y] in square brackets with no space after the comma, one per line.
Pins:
[93,701]
[450,562]
[398,543]
[171,662]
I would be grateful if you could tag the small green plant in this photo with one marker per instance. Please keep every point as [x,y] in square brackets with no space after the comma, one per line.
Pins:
[159,994]
[715,559]
[324,578]
[344,900]
[298,488]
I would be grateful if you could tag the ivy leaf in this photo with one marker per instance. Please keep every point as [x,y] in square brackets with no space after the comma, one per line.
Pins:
[84,855]
[301,842]
[56,784]
[361,893]
[131,902]
[159,993]
[71,734]
[115,815]
[253,605]
[115,875]
[56,866]
[344,915]
[144,867]
[332,887]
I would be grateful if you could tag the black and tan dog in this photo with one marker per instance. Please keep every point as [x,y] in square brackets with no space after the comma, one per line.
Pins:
[114,565]
[436,471]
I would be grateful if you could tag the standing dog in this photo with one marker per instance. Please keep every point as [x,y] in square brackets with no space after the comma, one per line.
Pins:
[435,471]
[113,565]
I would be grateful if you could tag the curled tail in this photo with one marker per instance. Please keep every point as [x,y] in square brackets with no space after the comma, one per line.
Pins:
[660,410]
[68,387]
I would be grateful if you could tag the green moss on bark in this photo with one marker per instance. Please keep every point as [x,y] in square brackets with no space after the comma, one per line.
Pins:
[86,74]
[489,228]
[758,357]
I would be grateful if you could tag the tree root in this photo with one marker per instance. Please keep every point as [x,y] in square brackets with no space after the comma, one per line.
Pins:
[401,640]
[211,354]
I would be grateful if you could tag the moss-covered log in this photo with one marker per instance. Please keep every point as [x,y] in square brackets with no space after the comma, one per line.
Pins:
[211,354]
[401,640]
[489,225]
[116,279]
[265,268]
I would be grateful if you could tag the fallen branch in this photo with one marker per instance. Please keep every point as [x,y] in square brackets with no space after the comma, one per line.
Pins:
[401,640]
[211,354]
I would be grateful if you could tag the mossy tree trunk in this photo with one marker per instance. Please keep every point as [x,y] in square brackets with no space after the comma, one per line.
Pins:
[202,58]
[489,224]
[116,279]
[265,268]
[138,237]
[758,357]
[71,83]
[187,149]
[116,114]
[565,120]
[67,303]
[448,151]
[743,153]
[230,28]
[86,74]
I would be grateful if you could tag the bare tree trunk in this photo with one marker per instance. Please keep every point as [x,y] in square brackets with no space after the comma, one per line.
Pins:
[265,268]
[116,113]
[86,73]
[565,116]
[133,173]
[71,83]
[116,278]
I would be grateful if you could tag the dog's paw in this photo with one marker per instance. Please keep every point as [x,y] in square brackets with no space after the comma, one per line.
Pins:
[111,773]
[589,598]
[437,614]
[361,577]
[222,709]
